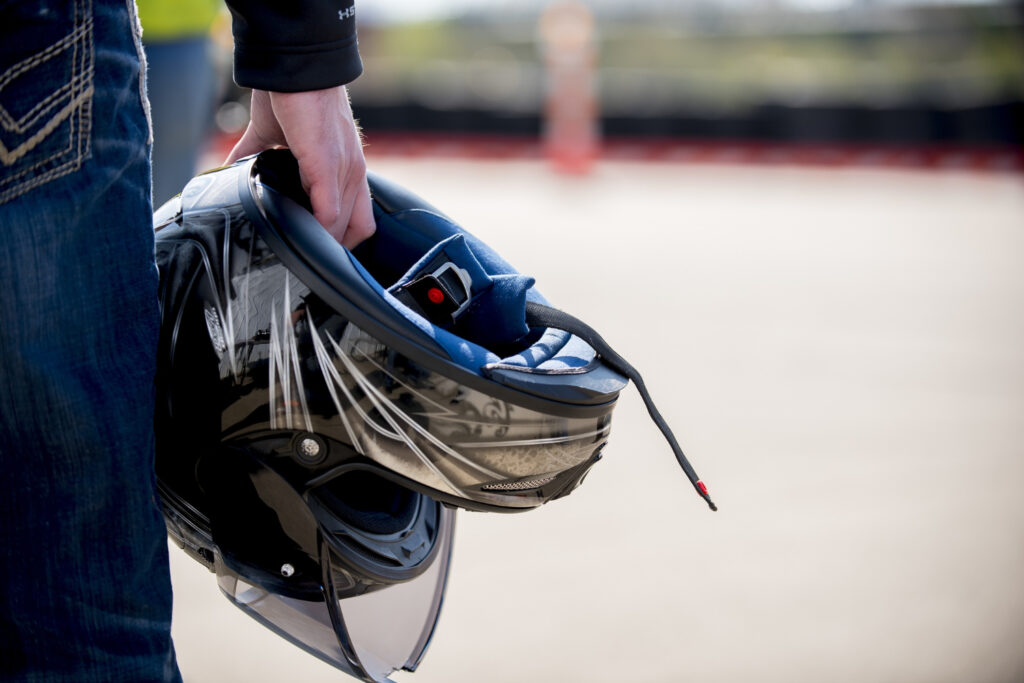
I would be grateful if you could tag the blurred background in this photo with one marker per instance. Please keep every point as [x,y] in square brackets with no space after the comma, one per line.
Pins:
[921,71]
[803,221]
[657,74]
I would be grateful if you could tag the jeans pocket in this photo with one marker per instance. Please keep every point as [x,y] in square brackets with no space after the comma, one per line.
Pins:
[46,92]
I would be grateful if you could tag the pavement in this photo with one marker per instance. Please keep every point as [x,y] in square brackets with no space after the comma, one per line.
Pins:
[841,354]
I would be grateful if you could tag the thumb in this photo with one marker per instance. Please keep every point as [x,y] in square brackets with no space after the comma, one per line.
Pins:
[250,143]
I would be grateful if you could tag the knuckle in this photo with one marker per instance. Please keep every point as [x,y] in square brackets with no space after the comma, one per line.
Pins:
[328,215]
[365,230]
[359,164]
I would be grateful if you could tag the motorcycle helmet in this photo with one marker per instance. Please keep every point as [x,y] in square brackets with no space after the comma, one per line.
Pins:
[321,412]
[422,354]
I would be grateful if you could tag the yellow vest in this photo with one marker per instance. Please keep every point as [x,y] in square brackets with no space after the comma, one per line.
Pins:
[172,19]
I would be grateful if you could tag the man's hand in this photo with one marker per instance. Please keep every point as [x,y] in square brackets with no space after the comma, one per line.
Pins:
[319,129]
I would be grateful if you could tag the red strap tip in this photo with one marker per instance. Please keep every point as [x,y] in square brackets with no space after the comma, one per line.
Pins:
[702,487]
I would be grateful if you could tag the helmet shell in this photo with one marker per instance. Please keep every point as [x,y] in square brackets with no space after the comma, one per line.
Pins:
[272,330]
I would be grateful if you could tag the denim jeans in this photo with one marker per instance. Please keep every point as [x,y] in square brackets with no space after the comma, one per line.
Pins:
[85,590]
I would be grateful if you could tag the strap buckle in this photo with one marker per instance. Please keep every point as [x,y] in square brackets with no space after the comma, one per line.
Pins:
[445,291]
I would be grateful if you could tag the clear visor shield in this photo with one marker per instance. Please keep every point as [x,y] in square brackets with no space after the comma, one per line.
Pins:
[367,636]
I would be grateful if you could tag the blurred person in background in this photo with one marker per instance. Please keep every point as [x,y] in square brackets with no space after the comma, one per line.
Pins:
[183,83]
[85,591]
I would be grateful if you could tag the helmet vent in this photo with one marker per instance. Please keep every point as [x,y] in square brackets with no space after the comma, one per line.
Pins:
[521,485]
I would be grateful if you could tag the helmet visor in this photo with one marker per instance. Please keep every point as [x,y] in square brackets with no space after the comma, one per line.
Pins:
[367,636]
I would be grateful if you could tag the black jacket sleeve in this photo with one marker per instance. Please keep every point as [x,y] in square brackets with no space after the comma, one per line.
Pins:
[294,45]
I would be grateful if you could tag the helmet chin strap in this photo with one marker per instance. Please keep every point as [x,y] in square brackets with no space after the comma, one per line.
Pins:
[539,315]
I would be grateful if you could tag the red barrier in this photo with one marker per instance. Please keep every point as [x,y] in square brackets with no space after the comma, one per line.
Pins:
[668,150]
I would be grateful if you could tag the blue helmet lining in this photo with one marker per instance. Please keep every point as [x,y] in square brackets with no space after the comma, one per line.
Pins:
[406,239]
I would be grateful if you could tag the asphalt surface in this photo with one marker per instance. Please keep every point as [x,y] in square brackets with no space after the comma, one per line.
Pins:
[840,352]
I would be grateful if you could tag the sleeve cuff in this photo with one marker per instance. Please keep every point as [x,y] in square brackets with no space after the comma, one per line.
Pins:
[297,69]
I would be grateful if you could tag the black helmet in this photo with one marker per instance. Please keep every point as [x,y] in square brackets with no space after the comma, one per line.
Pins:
[310,396]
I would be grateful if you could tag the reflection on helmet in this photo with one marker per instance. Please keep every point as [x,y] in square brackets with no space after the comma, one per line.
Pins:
[316,406]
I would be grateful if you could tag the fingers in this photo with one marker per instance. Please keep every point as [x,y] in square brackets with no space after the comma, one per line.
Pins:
[360,224]
[249,143]
[319,128]
[325,197]
[344,207]
[331,163]
[263,131]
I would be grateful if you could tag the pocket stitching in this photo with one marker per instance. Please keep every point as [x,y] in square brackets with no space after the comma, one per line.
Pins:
[78,101]
[24,187]
[81,94]
[72,39]
[10,156]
